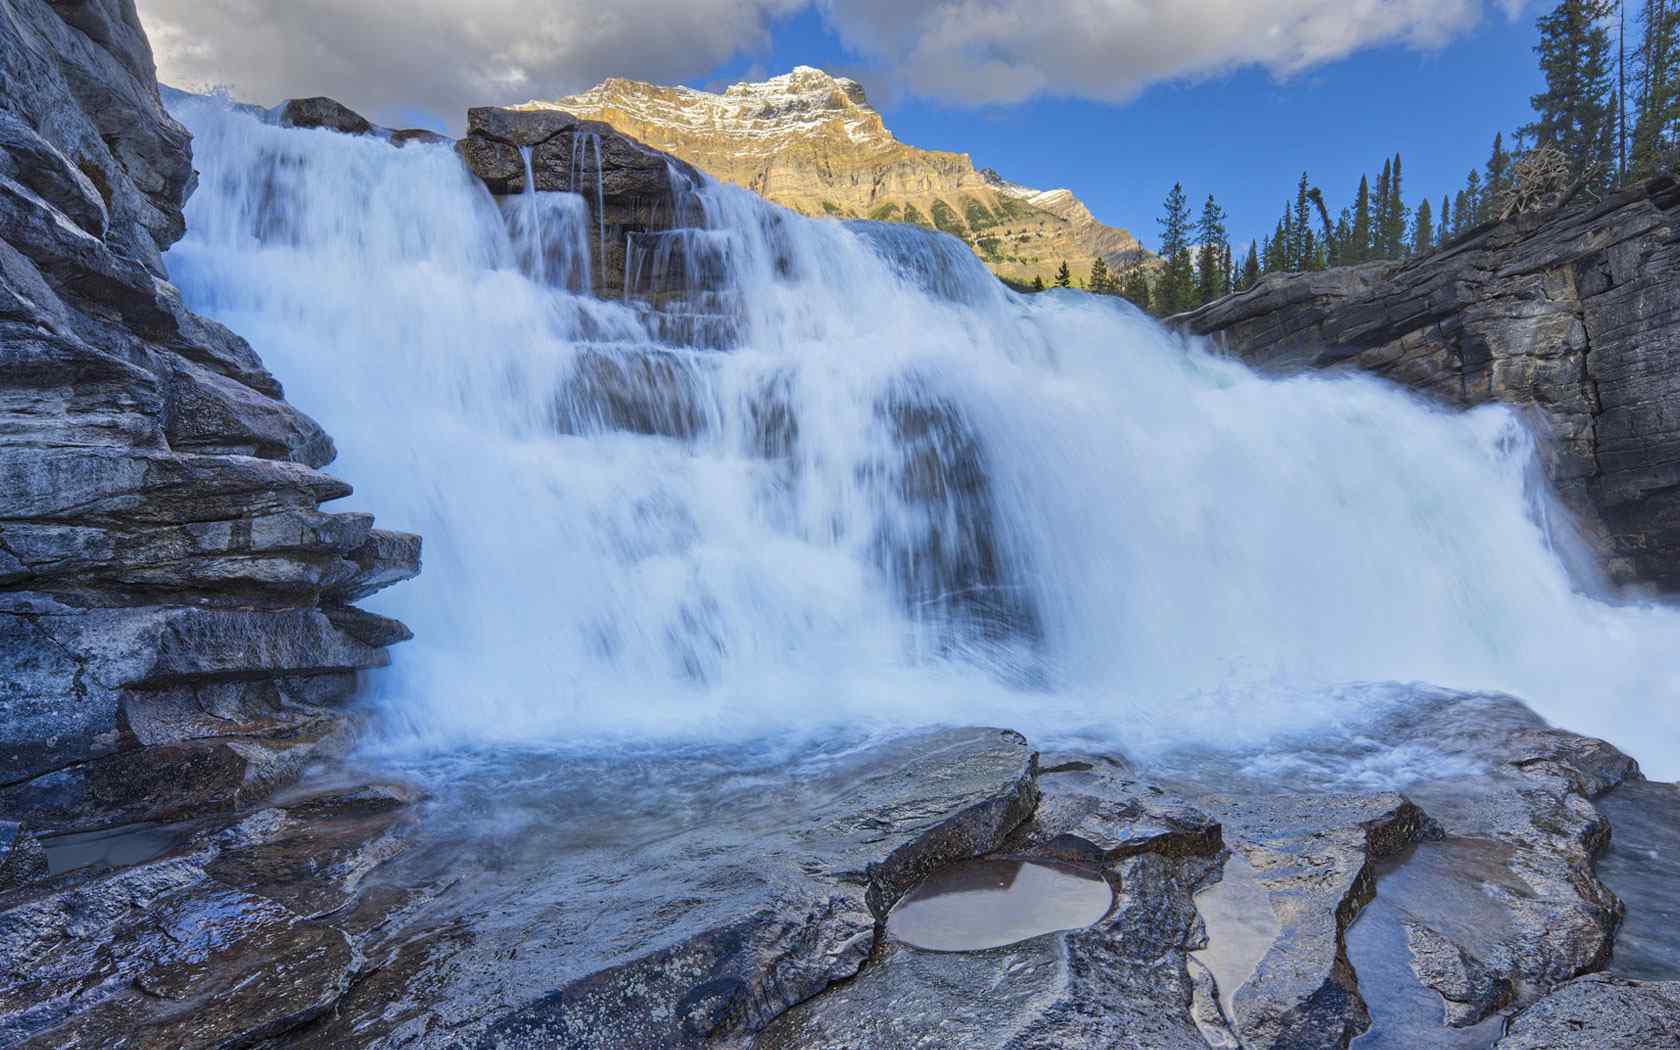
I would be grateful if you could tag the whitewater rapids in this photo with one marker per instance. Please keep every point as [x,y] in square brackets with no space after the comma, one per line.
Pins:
[903,495]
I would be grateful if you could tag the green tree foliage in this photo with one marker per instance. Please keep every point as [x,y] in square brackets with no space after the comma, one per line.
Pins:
[1100,282]
[1395,216]
[1445,221]
[1250,275]
[1213,251]
[1497,182]
[1576,112]
[1038,283]
[1656,78]
[1064,279]
[1423,228]
[1176,291]
[1136,288]
[1300,226]
[1380,219]
[1359,247]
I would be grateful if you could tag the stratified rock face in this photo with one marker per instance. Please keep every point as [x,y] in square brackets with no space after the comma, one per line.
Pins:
[174,621]
[812,142]
[1574,318]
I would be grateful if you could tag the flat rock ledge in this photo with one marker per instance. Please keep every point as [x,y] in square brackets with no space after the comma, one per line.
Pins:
[177,630]
[365,923]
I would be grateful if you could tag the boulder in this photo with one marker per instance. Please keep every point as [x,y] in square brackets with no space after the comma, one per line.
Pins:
[323,112]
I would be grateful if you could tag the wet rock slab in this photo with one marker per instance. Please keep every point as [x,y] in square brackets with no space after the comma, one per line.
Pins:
[742,898]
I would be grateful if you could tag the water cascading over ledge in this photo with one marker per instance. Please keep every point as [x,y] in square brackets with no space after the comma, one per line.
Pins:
[894,493]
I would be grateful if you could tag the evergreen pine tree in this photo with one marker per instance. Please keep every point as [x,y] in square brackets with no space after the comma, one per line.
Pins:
[1423,229]
[1176,290]
[1462,215]
[1250,275]
[1656,78]
[1064,279]
[1210,261]
[1301,251]
[1394,236]
[1038,283]
[1099,283]
[1574,113]
[1136,288]
[1381,218]
[1444,223]
[1358,248]
[1498,181]
[1473,197]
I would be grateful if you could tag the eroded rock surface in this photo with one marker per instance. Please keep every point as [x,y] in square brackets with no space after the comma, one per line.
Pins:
[1601,1012]
[174,622]
[1574,318]
[718,898]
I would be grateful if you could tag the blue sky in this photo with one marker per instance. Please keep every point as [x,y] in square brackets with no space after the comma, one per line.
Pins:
[1244,137]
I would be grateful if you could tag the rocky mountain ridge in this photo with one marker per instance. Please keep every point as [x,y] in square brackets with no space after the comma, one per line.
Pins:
[812,142]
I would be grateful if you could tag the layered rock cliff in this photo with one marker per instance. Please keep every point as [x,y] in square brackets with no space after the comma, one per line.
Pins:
[176,621]
[813,143]
[1573,318]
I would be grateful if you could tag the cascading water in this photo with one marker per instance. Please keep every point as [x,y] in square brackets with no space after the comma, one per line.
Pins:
[902,495]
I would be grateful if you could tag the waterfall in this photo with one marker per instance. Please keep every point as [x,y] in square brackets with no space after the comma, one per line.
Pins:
[550,234]
[582,141]
[900,494]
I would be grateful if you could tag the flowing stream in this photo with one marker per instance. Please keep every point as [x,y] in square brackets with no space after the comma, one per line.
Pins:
[862,484]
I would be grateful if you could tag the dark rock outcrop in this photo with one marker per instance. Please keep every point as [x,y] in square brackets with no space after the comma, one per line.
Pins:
[323,112]
[329,113]
[1574,318]
[174,630]
[633,189]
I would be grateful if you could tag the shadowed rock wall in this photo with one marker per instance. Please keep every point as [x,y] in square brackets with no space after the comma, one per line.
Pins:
[176,627]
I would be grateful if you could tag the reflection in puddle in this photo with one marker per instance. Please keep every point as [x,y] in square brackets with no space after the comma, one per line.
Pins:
[116,847]
[991,903]
[1453,887]
[1241,927]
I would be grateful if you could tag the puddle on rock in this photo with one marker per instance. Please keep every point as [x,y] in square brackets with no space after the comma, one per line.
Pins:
[1453,887]
[991,903]
[1241,927]
[1642,867]
[117,847]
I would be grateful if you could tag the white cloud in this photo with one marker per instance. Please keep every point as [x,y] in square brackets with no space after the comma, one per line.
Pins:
[1003,51]
[387,57]
[390,57]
